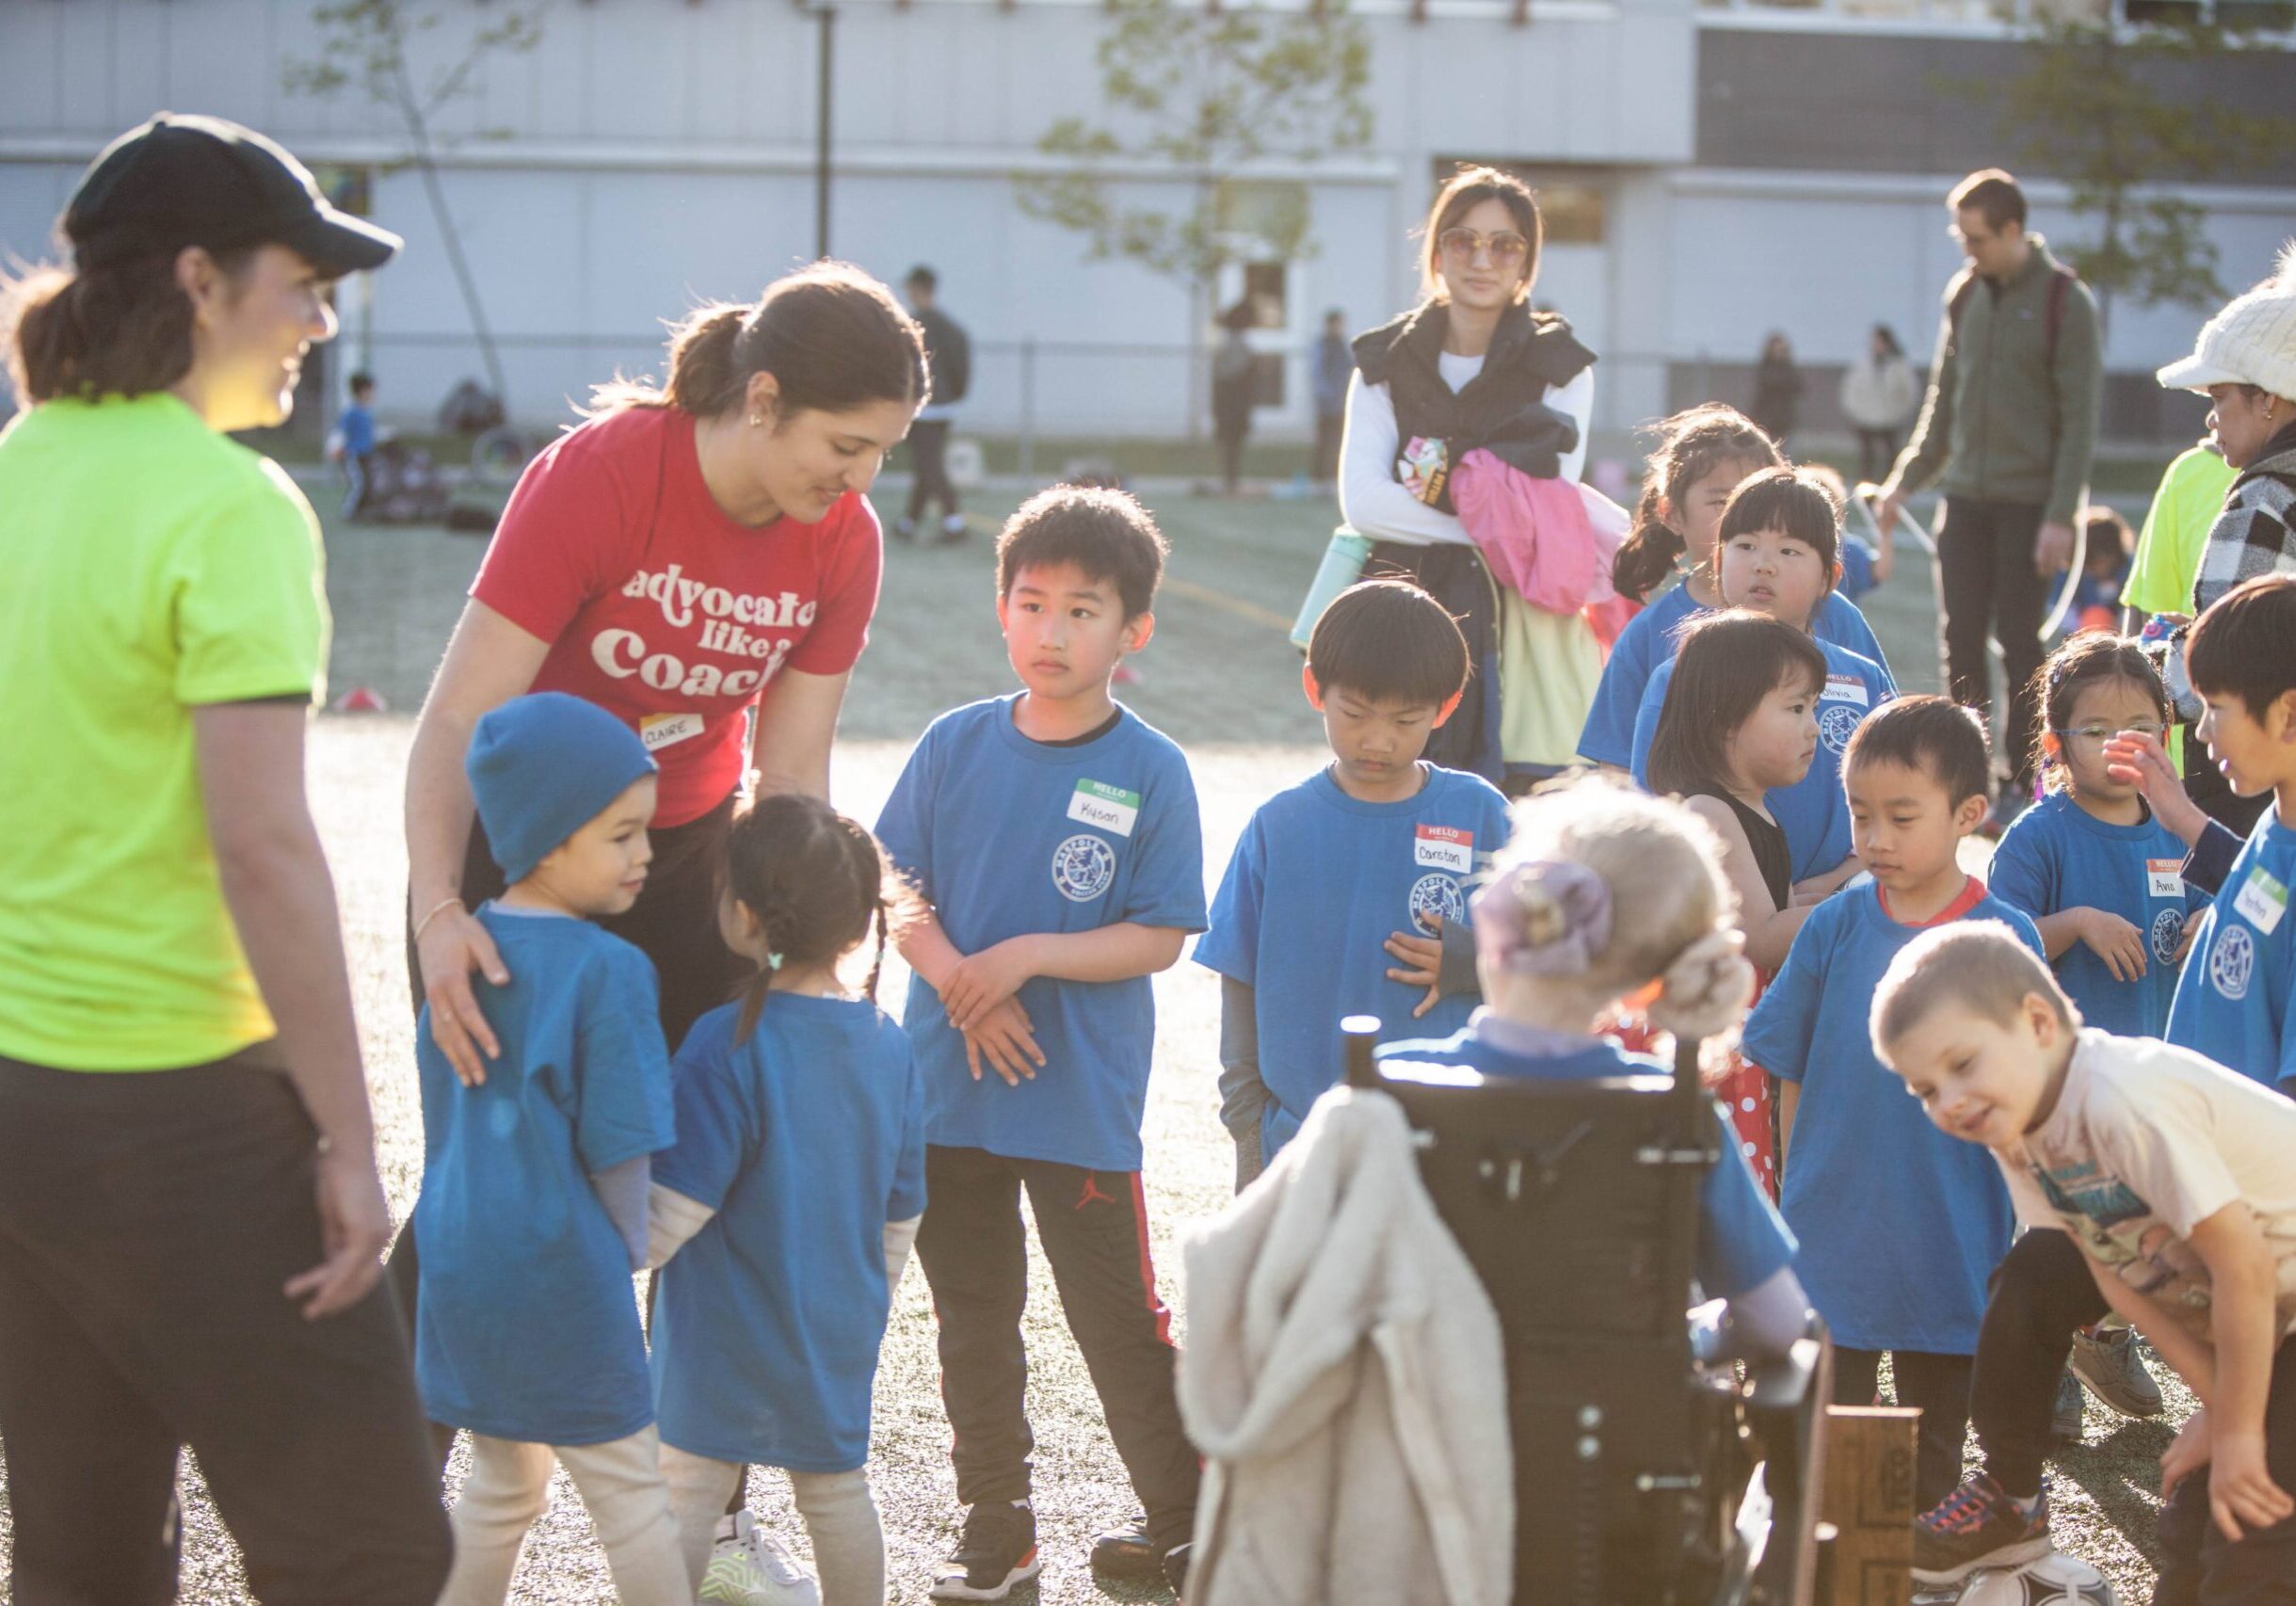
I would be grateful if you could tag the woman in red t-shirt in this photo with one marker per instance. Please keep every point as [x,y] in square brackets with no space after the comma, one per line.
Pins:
[702,562]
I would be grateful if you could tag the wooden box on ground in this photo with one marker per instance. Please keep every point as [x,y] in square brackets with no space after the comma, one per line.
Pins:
[1868,1499]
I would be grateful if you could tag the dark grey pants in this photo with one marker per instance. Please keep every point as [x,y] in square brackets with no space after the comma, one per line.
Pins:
[148,1223]
[1987,587]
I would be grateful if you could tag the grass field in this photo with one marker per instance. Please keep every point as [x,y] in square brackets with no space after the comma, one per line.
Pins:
[1221,678]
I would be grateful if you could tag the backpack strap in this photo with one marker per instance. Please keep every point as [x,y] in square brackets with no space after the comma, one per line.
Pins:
[2060,281]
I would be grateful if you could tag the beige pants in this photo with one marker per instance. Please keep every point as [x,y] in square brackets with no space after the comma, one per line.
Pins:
[840,1512]
[621,1487]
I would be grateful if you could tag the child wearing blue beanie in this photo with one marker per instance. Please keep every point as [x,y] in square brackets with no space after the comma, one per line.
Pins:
[533,1212]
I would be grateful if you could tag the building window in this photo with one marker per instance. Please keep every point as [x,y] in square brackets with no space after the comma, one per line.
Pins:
[1573,204]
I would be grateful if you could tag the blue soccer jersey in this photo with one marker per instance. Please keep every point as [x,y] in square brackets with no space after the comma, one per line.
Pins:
[1743,1244]
[1608,737]
[806,1139]
[2058,856]
[1006,837]
[2232,1002]
[1813,812]
[1318,883]
[526,1327]
[1900,1225]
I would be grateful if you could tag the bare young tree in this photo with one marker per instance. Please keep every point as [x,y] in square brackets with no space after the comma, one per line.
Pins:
[390,51]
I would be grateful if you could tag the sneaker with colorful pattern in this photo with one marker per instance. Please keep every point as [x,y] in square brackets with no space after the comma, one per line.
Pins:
[1977,1525]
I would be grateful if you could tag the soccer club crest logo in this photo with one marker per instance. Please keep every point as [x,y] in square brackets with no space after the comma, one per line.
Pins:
[2232,961]
[1083,867]
[2168,927]
[1437,895]
[1837,724]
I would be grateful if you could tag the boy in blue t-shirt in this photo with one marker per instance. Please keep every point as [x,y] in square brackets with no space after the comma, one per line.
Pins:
[533,1211]
[1899,1225]
[2232,1002]
[357,426]
[1055,836]
[1347,892]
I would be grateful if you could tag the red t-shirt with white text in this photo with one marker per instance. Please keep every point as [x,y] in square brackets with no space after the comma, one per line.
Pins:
[664,611]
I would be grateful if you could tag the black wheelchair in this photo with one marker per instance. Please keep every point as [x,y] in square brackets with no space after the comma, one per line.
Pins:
[1642,1476]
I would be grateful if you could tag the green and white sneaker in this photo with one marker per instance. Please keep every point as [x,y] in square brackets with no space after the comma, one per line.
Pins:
[751,1567]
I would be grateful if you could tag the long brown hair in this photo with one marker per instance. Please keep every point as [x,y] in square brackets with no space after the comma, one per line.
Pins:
[833,336]
[1727,663]
[817,883]
[1684,449]
[1469,188]
[121,329]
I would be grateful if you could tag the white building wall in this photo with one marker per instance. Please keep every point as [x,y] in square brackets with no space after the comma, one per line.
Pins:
[653,153]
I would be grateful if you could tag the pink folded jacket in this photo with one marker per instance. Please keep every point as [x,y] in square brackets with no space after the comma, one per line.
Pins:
[1544,538]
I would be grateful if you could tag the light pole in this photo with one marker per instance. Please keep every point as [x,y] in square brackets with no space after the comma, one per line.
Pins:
[824,58]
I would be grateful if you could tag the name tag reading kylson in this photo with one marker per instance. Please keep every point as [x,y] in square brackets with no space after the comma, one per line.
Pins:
[667,730]
[2166,876]
[1110,808]
[1445,847]
[1847,688]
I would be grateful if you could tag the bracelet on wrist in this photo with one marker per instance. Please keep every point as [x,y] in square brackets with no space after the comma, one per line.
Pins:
[436,909]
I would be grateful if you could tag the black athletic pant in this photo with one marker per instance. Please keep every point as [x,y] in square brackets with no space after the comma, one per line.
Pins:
[1987,587]
[2040,1292]
[1094,1227]
[1330,428]
[928,456]
[148,1223]
[674,923]
[1937,1386]
[2199,1567]
[1877,450]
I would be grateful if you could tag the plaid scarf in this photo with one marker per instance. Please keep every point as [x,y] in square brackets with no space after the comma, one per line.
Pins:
[2255,534]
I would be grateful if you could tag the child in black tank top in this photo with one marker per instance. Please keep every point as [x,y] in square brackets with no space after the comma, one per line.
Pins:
[1740,720]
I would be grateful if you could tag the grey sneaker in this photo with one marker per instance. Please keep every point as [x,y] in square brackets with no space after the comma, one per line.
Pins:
[2065,1420]
[2111,1366]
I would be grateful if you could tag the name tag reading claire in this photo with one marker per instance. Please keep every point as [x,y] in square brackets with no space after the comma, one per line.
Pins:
[1110,808]
[2262,900]
[1445,847]
[667,730]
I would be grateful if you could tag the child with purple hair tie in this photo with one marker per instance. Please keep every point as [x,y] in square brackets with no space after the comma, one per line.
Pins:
[1606,896]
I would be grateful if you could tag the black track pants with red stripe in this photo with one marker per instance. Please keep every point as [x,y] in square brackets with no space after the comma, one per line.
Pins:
[1094,1227]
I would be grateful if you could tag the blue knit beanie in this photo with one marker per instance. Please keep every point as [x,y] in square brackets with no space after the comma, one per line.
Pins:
[544,765]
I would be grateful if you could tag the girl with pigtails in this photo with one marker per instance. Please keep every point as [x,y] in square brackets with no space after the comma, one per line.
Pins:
[783,1216]
[1605,900]
[1697,458]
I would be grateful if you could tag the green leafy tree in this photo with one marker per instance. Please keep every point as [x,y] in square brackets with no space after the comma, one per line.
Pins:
[392,53]
[1206,93]
[2122,115]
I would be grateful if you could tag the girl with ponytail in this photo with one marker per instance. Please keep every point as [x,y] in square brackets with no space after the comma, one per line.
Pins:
[783,1216]
[699,560]
[1697,458]
[1605,900]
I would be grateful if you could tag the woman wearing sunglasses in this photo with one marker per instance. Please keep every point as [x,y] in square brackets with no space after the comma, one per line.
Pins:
[1471,367]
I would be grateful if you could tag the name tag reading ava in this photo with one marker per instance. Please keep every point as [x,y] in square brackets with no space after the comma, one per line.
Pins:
[1110,808]
[2166,876]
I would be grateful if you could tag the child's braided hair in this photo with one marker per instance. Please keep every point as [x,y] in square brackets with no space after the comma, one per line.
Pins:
[1684,449]
[818,884]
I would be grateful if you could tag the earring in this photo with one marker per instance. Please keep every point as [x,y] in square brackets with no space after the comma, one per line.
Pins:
[755,421]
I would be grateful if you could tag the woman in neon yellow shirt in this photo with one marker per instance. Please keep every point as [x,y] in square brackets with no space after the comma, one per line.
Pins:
[190,1218]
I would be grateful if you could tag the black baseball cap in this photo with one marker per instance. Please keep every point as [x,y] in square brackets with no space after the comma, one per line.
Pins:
[182,181]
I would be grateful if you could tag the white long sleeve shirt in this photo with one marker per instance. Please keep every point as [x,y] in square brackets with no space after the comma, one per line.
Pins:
[1375,502]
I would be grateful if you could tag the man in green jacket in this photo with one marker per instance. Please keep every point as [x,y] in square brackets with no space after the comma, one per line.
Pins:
[2007,429]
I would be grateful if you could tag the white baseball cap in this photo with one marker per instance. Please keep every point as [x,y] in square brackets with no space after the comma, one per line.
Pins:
[2252,341]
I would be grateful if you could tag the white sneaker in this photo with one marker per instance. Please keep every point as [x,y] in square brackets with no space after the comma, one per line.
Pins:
[755,1568]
